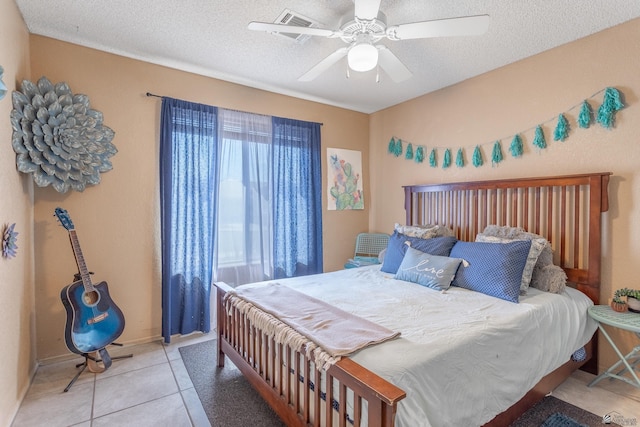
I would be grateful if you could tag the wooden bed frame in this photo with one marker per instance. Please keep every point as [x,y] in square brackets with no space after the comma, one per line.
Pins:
[566,210]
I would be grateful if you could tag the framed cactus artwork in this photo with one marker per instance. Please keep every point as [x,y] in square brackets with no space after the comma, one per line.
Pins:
[345,179]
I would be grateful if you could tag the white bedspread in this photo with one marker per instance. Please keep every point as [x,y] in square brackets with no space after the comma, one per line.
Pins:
[463,357]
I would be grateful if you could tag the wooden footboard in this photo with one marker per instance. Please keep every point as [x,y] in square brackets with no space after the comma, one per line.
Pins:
[299,392]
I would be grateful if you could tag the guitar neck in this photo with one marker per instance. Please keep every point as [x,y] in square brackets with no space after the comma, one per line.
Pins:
[82,266]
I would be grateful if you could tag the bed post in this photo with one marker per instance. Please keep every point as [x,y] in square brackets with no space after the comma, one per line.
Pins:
[221,290]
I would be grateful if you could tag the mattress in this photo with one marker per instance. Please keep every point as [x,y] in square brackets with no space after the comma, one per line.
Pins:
[462,356]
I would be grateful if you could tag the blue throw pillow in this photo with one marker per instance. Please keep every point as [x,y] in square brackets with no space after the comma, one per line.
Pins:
[397,247]
[494,268]
[428,270]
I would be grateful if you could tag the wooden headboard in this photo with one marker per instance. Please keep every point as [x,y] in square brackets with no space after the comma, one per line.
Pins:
[566,210]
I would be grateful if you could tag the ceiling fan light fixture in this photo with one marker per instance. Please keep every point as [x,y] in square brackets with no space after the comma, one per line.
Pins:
[362,57]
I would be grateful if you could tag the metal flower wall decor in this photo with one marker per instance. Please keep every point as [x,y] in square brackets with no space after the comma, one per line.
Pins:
[58,138]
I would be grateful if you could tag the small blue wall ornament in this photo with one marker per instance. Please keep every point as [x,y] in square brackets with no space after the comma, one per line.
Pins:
[3,88]
[9,239]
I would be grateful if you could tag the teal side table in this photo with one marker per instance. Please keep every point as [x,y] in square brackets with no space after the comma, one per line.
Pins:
[604,315]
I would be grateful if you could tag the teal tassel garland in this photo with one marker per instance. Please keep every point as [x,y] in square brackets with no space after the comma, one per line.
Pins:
[433,160]
[477,157]
[409,153]
[605,115]
[460,158]
[538,139]
[610,104]
[562,129]
[516,146]
[496,155]
[584,118]
[446,160]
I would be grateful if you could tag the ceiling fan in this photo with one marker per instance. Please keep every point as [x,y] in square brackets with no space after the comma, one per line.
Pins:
[366,28]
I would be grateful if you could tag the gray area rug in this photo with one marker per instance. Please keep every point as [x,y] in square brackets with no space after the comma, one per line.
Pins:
[227,397]
[229,400]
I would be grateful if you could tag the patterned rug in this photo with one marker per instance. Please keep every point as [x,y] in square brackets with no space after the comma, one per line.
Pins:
[553,412]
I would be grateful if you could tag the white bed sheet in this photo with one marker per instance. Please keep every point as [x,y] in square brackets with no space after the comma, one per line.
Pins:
[462,357]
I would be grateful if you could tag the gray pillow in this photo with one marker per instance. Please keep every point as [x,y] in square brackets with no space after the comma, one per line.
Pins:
[432,271]
[427,231]
[540,279]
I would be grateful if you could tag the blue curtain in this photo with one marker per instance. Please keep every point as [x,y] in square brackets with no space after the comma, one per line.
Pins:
[297,193]
[188,146]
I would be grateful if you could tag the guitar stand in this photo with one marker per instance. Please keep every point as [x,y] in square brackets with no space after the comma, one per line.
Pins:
[88,358]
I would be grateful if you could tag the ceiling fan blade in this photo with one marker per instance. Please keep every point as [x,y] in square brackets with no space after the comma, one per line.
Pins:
[392,65]
[291,29]
[324,65]
[367,9]
[465,26]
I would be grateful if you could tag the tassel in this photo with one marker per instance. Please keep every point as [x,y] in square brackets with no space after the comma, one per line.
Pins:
[477,157]
[392,145]
[584,118]
[446,160]
[460,158]
[496,156]
[516,146]
[397,151]
[610,104]
[538,139]
[562,129]
[409,154]
[433,160]
[419,154]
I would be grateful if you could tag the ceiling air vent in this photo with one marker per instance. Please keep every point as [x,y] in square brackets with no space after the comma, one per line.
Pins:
[289,17]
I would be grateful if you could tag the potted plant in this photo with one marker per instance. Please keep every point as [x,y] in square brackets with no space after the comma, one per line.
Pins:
[632,299]
[618,304]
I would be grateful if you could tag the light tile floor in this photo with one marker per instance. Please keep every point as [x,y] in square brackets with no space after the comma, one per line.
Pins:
[153,389]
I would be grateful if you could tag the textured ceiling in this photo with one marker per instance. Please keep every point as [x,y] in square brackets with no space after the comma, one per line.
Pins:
[211,38]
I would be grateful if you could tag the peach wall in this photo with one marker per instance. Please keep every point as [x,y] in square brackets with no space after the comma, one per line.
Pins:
[515,99]
[17,316]
[117,221]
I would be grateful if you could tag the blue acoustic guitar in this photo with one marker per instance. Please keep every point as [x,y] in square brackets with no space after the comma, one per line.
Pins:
[93,320]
